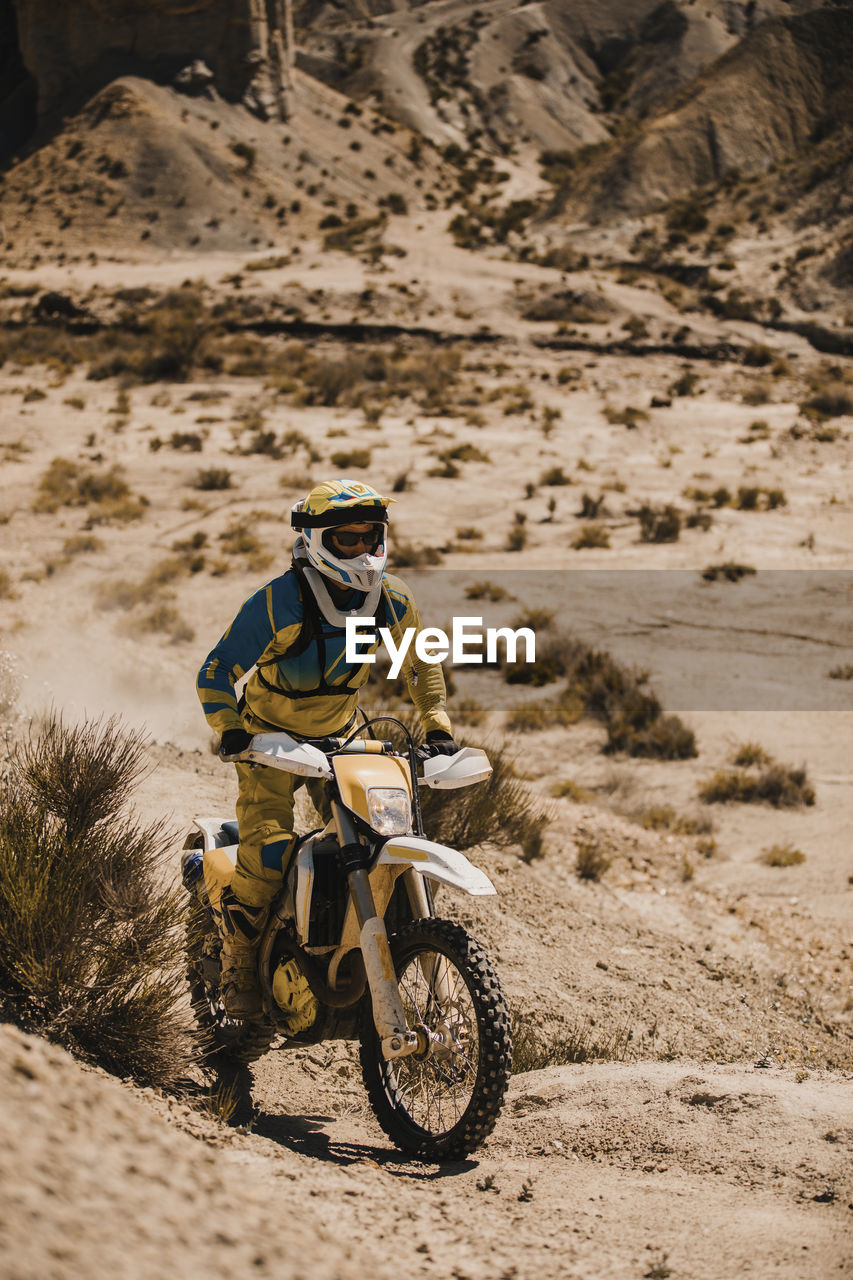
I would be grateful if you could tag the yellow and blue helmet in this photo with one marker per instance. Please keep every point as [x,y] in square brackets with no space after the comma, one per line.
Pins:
[331,505]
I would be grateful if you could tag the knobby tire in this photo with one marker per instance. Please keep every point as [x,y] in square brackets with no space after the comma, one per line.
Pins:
[388,1082]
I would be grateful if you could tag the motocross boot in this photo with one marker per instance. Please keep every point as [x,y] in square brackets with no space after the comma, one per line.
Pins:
[241,928]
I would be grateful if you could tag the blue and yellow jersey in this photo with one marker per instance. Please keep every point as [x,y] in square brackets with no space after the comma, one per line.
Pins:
[267,626]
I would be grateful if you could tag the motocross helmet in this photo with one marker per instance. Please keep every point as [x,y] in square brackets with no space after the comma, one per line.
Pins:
[336,503]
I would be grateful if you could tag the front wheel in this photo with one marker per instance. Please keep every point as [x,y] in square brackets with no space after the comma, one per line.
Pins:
[444,1104]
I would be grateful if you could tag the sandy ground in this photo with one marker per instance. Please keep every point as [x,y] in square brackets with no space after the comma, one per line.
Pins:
[699,1170]
[685,1158]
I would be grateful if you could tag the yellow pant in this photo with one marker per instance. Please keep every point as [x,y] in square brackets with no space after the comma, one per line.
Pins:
[265,801]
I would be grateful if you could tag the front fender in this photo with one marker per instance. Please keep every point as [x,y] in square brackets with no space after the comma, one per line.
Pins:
[436,862]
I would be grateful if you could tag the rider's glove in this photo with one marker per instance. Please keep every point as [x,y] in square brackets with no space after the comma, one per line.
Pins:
[438,743]
[234,743]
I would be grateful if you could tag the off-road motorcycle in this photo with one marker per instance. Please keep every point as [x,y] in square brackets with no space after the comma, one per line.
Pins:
[353,949]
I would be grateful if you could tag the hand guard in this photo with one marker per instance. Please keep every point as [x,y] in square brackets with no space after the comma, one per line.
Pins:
[234,743]
[438,743]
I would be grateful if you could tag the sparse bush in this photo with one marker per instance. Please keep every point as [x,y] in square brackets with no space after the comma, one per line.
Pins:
[239,540]
[590,507]
[353,236]
[500,810]
[517,536]
[546,713]
[749,754]
[469,711]
[627,417]
[731,571]
[782,855]
[591,536]
[213,478]
[67,484]
[686,384]
[91,929]
[568,789]
[358,458]
[592,860]
[191,441]
[165,618]
[598,686]
[534,1049]
[778,785]
[554,476]
[833,400]
[753,498]
[405,555]
[81,544]
[843,672]
[485,591]
[757,355]
[246,152]
[660,524]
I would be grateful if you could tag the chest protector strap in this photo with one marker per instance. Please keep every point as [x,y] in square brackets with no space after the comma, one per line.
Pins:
[312,632]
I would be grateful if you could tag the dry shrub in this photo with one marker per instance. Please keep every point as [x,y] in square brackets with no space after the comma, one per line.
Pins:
[81,544]
[67,484]
[832,400]
[782,855]
[344,459]
[556,656]
[627,417]
[91,930]
[660,524]
[486,590]
[779,785]
[591,537]
[534,1048]
[545,713]
[592,860]
[166,619]
[405,555]
[191,441]
[749,754]
[598,686]
[213,478]
[500,810]
[731,571]
[568,789]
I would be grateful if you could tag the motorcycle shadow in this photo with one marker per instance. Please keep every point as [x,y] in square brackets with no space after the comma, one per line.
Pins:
[310,1135]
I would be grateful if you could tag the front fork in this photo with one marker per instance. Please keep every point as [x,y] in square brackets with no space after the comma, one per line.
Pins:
[388,1016]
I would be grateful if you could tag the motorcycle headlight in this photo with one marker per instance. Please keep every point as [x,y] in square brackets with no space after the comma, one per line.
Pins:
[389,811]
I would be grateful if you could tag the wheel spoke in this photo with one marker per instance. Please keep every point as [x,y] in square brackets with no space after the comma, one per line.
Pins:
[436,1090]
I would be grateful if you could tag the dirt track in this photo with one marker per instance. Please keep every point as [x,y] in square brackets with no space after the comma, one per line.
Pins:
[605,1171]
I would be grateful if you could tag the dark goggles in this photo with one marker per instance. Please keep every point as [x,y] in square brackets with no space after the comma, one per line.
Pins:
[349,539]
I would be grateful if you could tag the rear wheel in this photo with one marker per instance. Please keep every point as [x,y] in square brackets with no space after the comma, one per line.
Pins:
[241,1041]
[444,1104]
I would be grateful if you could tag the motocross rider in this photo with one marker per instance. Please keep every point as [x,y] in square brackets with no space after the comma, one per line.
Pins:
[288,638]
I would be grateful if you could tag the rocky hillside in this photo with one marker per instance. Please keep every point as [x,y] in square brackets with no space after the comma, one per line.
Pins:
[521,77]
[775,96]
